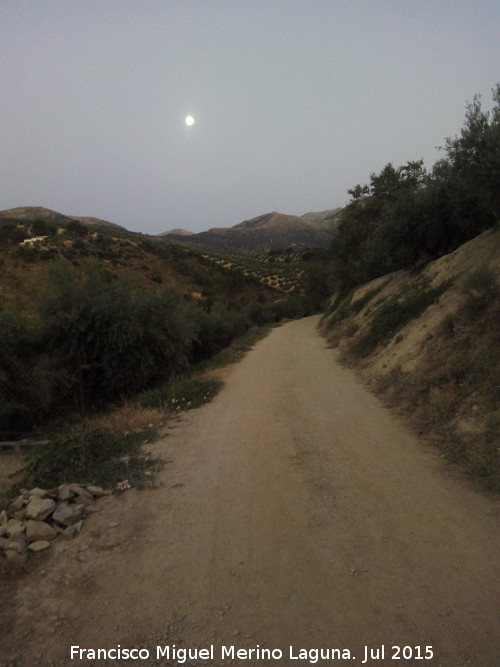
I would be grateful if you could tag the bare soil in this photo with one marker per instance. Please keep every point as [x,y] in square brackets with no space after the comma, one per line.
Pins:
[295,510]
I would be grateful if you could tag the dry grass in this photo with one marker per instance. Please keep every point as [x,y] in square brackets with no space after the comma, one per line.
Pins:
[130,418]
[443,402]
[444,374]
[453,393]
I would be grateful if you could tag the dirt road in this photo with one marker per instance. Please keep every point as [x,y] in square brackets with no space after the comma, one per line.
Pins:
[295,511]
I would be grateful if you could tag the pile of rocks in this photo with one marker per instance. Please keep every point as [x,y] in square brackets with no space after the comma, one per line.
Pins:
[37,517]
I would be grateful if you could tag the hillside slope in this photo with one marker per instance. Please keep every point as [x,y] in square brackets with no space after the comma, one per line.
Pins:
[269,232]
[32,213]
[152,263]
[428,341]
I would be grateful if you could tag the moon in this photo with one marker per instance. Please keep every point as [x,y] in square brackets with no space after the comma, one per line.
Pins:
[189,120]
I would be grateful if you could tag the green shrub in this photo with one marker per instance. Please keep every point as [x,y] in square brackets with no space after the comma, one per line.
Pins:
[116,339]
[260,313]
[291,309]
[237,349]
[29,380]
[213,328]
[481,288]
[92,338]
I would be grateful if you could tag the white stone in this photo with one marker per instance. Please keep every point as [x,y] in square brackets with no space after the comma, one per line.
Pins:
[15,528]
[40,508]
[41,493]
[39,530]
[67,514]
[18,505]
[71,531]
[39,546]
[97,491]
[64,492]
[80,491]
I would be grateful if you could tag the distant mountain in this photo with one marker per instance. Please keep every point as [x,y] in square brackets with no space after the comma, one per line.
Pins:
[177,232]
[323,218]
[96,222]
[32,213]
[270,221]
[270,231]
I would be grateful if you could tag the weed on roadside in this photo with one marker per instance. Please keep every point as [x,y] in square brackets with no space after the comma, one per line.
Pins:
[89,454]
[182,394]
[129,417]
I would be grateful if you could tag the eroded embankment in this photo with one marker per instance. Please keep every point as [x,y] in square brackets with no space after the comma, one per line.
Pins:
[428,341]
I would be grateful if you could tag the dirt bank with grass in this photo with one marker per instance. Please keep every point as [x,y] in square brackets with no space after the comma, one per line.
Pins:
[294,510]
[427,340]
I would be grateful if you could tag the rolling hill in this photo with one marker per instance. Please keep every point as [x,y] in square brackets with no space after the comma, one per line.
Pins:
[153,261]
[270,231]
[32,213]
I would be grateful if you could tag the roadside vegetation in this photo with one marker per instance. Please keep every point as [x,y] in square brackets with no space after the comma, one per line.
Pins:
[408,215]
[107,448]
[88,337]
[392,315]
[414,308]
[99,348]
[90,454]
[454,392]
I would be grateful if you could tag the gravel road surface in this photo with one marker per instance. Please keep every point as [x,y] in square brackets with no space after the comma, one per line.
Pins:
[296,511]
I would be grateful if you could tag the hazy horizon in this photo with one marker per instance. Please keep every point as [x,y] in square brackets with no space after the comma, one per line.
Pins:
[293,102]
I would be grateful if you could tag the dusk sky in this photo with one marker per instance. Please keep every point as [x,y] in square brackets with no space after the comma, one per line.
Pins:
[294,101]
